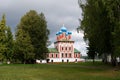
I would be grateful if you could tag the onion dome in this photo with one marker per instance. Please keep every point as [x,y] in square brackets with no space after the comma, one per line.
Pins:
[69,32]
[60,32]
[66,34]
[57,33]
[63,29]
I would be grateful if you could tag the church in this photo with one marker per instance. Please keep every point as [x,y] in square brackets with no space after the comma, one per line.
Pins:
[63,50]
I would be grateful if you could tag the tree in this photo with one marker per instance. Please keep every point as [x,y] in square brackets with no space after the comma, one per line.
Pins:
[36,26]
[91,51]
[3,47]
[9,39]
[101,26]
[113,8]
[24,46]
[96,26]
[6,40]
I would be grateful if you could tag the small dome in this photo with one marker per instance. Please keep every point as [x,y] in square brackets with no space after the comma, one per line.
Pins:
[60,32]
[57,33]
[63,29]
[69,32]
[66,34]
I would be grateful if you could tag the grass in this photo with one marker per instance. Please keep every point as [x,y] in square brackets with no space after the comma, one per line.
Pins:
[62,71]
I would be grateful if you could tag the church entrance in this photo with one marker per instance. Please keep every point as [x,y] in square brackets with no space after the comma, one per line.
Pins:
[52,61]
[67,60]
[62,60]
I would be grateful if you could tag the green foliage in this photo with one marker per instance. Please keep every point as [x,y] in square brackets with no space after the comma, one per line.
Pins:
[24,46]
[6,41]
[113,7]
[30,42]
[3,28]
[9,44]
[91,52]
[36,26]
[100,23]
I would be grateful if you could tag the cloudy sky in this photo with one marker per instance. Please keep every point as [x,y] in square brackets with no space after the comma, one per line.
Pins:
[57,13]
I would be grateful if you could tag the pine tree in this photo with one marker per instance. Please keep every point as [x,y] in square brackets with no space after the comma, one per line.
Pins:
[24,46]
[10,45]
[3,47]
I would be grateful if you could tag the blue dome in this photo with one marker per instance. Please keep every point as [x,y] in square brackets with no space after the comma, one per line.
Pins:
[57,33]
[60,32]
[66,34]
[69,32]
[63,29]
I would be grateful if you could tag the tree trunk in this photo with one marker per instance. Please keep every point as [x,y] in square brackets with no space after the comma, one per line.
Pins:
[114,61]
[93,60]
[105,58]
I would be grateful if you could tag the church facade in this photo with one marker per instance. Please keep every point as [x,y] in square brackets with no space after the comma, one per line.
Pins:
[64,50]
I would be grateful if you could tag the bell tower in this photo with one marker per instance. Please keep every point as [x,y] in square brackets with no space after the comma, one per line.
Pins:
[64,44]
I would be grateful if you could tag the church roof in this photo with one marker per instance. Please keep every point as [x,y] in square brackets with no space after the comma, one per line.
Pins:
[57,33]
[52,50]
[76,51]
[69,32]
[63,29]
[60,32]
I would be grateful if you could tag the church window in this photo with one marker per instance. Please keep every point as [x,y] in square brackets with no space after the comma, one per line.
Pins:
[69,48]
[70,55]
[66,48]
[56,55]
[66,55]
[52,55]
[62,48]
[76,55]
[62,54]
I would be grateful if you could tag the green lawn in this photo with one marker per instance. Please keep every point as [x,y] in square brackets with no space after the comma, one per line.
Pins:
[62,71]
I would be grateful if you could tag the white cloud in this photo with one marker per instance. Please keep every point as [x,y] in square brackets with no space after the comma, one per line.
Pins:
[79,42]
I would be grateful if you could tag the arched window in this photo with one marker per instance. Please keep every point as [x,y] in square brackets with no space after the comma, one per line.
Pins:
[69,48]
[52,55]
[76,55]
[62,55]
[66,48]
[66,55]
[62,48]
[56,55]
[70,55]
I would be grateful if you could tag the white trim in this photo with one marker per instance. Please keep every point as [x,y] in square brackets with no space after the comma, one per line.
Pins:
[64,59]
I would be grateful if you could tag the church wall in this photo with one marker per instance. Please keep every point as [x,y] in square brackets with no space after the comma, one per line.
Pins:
[65,60]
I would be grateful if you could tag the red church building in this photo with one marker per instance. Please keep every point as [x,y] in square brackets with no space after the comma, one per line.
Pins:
[64,50]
